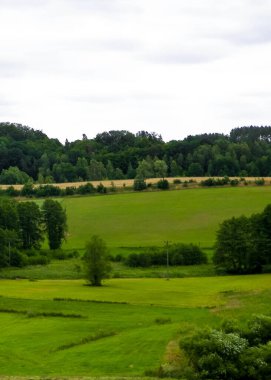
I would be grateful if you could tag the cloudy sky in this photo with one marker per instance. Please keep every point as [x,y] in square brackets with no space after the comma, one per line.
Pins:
[176,67]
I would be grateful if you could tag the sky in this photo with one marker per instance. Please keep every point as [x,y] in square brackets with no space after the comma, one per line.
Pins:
[174,67]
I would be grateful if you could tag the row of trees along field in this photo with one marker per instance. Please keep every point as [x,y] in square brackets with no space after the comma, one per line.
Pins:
[27,154]
[23,226]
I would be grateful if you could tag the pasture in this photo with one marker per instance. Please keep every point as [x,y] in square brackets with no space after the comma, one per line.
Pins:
[125,328]
[145,219]
[61,327]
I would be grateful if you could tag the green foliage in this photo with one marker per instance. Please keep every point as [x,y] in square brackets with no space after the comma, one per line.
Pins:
[215,181]
[44,191]
[154,314]
[88,188]
[243,244]
[13,176]
[30,224]
[234,249]
[178,254]
[218,354]
[55,221]
[101,189]
[260,182]
[139,184]
[163,184]
[8,215]
[122,154]
[96,259]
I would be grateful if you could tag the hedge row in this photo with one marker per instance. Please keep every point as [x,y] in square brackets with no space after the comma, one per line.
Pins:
[178,254]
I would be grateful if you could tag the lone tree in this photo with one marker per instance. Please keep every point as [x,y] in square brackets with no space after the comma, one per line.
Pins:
[96,260]
[55,220]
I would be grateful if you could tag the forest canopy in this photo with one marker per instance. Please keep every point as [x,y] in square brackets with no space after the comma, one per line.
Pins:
[30,155]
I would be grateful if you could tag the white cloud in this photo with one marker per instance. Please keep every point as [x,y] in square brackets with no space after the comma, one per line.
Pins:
[172,66]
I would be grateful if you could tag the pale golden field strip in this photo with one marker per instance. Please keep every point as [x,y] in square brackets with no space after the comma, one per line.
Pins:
[129,182]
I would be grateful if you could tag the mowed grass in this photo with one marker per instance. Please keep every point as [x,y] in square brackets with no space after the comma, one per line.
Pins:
[121,329]
[145,219]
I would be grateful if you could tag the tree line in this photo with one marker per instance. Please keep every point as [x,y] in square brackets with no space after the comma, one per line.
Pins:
[30,155]
[23,227]
[243,244]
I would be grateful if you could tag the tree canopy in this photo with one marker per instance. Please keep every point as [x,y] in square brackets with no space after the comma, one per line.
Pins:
[29,155]
[243,244]
[96,259]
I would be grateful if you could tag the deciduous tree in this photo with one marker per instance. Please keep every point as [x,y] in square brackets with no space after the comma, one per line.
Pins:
[96,261]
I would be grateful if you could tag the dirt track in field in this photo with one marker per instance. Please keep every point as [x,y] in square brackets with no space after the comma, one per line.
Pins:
[130,182]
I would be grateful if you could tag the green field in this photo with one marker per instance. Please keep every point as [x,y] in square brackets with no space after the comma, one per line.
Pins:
[58,326]
[123,329]
[143,219]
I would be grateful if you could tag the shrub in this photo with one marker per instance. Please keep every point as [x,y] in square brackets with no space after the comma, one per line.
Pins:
[28,190]
[37,260]
[139,184]
[70,190]
[229,353]
[12,192]
[259,181]
[234,182]
[17,259]
[88,188]
[163,184]
[215,181]
[48,191]
[179,254]
[101,189]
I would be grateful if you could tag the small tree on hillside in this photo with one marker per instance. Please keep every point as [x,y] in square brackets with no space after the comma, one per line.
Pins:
[96,260]
[55,221]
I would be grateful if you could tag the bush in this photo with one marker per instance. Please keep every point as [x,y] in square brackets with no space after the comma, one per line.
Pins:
[17,259]
[101,189]
[88,188]
[28,190]
[177,181]
[215,181]
[259,181]
[179,254]
[48,191]
[37,260]
[139,184]
[163,184]
[234,182]
[222,354]
[70,190]
[12,192]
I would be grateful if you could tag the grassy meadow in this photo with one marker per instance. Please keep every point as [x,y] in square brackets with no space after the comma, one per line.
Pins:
[125,328]
[144,219]
[54,325]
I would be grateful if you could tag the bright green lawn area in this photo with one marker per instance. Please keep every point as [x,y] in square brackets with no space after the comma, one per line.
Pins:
[113,338]
[186,292]
[142,219]
[73,269]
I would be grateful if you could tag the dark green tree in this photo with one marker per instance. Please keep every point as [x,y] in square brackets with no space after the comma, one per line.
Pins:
[9,215]
[234,248]
[8,244]
[96,259]
[139,184]
[55,220]
[30,224]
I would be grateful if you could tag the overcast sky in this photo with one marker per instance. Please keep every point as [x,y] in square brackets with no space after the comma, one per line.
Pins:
[176,67]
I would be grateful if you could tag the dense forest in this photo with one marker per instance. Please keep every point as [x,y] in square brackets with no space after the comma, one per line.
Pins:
[27,154]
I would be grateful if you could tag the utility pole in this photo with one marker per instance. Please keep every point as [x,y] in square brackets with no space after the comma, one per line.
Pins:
[166,245]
